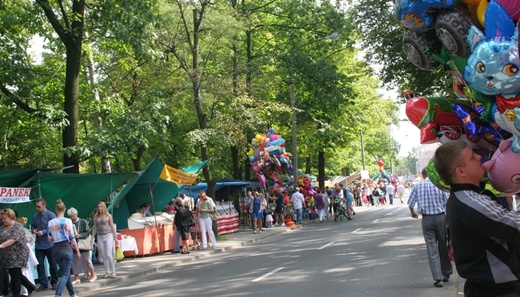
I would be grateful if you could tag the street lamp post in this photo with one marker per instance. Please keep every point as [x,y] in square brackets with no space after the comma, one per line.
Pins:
[332,36]
[293,132]
[362,148]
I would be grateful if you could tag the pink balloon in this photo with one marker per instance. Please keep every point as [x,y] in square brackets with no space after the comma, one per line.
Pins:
[512,7]
[261,179]
[503,169]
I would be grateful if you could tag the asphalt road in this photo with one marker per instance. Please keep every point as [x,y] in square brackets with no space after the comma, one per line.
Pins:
[380,253]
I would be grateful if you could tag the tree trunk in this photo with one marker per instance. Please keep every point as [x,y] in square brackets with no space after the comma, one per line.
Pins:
[321,169]
[237,173]
[72,38]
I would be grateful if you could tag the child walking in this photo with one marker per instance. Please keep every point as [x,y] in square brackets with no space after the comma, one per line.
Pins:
[269,217]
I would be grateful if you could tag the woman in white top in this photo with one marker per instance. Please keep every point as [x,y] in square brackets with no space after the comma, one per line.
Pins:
[106,232]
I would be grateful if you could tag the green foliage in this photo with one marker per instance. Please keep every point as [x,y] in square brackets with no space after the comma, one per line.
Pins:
[382,44]
[155,80]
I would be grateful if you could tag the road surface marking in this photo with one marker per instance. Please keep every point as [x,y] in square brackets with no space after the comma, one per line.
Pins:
[393,212]
[328,244]
[375,221]
[267,274]
[358,229]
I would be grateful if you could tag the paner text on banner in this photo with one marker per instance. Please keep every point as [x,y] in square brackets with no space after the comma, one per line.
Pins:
[177,176]
[14,195]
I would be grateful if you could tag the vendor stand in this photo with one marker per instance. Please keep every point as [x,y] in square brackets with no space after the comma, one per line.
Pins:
[228,220]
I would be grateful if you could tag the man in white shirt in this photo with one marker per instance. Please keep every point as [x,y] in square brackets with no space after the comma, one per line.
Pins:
[390,192]
[400,191]
[188,202]
[297,201]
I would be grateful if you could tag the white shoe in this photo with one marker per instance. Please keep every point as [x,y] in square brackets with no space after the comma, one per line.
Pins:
[275,225]
[282,225]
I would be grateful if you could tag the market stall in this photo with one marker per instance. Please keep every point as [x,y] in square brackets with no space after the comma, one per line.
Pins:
[152,235]
[228,220]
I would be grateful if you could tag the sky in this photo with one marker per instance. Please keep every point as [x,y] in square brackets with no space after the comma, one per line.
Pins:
[406,134]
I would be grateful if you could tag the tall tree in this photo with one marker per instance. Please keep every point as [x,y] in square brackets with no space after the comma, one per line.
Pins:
[67,19]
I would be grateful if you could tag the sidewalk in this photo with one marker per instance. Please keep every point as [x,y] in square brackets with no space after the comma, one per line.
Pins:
[132,268]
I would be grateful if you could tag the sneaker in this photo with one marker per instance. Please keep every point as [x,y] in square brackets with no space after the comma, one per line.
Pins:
[75,282]
[275,225]
[261,230]
[42,288]
[282,225]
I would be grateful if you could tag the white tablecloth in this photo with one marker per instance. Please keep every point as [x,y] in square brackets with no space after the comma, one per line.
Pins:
[128,244]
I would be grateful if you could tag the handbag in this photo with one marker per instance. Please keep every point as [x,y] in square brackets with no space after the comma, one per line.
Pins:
[85,244]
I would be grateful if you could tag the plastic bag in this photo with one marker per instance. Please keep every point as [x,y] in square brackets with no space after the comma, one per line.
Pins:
[119,253]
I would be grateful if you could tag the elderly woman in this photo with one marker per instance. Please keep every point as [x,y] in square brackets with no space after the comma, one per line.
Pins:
[14,251]
[81,264]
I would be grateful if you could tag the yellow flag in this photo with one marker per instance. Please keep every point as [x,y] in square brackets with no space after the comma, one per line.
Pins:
[177,176]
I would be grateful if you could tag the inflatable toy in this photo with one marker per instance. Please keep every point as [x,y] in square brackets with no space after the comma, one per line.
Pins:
[268,159]
[504,169]
[493,68]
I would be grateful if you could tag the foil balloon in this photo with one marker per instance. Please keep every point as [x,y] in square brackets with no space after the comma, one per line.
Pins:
[493,68]
[436,119]
[435,178]
[504,169]
[487,130]
[267,156]
[512,7]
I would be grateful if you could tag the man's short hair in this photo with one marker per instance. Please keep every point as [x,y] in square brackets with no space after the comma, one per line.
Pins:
[447,159]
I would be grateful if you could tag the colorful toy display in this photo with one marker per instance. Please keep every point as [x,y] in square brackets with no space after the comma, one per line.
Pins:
[478,40]
[269,159]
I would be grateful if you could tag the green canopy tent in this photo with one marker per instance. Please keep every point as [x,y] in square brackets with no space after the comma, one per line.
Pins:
[16,178]
[81,191]
[147,188]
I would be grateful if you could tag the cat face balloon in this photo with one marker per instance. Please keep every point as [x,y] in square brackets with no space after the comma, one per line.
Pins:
[493,66]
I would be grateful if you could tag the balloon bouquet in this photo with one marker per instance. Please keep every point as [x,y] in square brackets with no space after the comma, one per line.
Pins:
[382,174]
[478,41]
[269,159]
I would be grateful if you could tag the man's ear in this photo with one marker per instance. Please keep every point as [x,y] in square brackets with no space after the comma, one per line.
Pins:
[460,171]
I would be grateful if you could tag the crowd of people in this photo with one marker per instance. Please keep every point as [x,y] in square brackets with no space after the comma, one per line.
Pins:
[261,210]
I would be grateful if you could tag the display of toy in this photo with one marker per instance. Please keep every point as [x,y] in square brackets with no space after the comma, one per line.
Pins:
[269,159]
[477,40]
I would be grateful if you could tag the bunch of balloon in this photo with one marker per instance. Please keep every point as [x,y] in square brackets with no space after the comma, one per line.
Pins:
[478,41]
[269,160]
